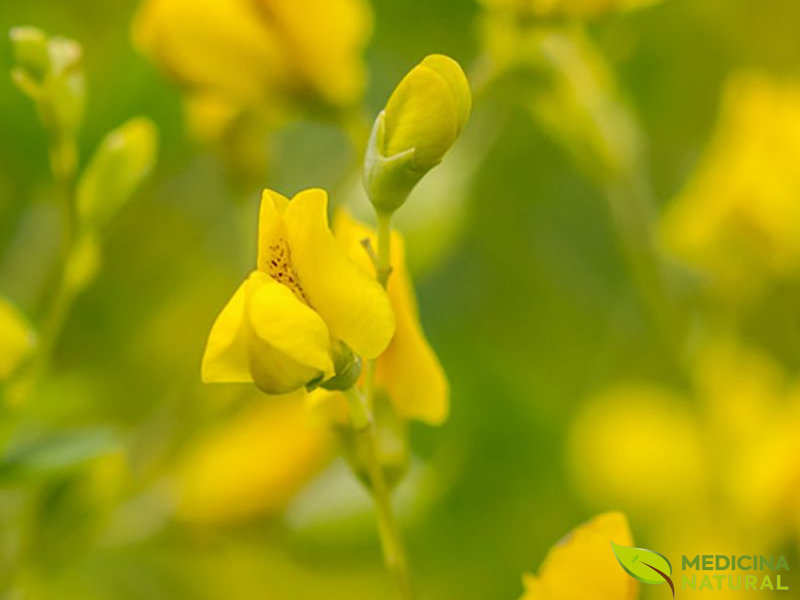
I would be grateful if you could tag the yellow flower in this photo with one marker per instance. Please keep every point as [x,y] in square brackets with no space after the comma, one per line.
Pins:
[285,321]
[582,565]
[253,464]
[636,446]
[567,8]
[733,460]
[253,52]
[738,218]
[17,339]
[752,411]
[408,370]
[423,118]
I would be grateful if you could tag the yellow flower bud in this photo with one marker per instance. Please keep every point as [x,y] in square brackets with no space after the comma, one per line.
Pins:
[17,339]
[83,263]
[424,116]
[427,111]
[120,163]
[48,70]
[30,50]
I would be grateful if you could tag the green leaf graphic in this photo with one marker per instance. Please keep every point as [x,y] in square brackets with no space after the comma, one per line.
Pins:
[642,564]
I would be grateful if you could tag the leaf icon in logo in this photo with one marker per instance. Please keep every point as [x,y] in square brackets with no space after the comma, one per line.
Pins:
[644,565]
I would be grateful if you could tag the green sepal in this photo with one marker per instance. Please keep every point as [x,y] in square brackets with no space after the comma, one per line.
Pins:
[347,366]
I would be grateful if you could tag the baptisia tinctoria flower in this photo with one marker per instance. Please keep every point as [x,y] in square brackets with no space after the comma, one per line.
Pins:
[303,311]
[294,441]
[737,220]
[245,54]
[421,121]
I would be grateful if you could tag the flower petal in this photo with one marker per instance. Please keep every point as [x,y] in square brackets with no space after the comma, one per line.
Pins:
[331,405]
[270,225]
[252,464]
[422,113]
[352,303]
[583,565]
[326,38]
[223,46]
[409,369]
[452,72]
[289,344]
[226,359]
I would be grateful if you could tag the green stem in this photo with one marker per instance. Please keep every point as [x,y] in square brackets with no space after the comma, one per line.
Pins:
[62,299]
[632,210]
[394,555]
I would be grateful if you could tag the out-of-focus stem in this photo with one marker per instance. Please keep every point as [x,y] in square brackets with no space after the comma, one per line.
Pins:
[632,211]
[391,541]
[608,146]
[362,406]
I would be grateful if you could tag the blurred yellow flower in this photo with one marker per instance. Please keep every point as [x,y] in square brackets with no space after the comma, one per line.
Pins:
[408,370]
[637,446]
[738,218]
[568,8]
[733,463]
[282,325]
[17,339]
[582,565]
[253,464]
[257,53]
[752,412]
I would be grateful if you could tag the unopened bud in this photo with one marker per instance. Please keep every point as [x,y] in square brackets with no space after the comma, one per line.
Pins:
[423,118]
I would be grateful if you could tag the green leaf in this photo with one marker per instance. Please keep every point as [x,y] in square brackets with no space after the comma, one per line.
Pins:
[124,158]
[56,454]
[641,564]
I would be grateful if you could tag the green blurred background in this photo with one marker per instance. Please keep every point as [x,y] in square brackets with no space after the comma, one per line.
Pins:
[531,308]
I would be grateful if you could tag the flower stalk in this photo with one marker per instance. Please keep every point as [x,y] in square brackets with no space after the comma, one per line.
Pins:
[394,554]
